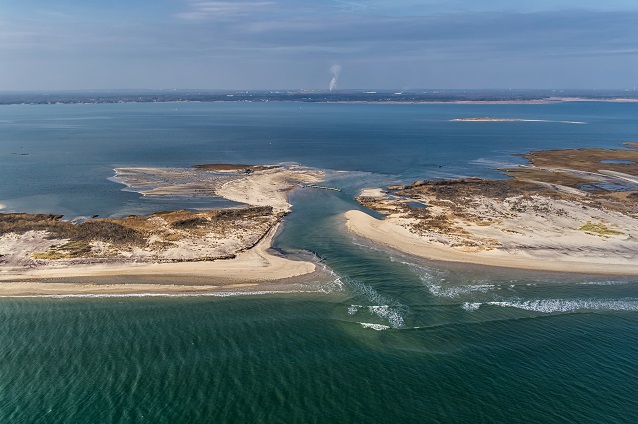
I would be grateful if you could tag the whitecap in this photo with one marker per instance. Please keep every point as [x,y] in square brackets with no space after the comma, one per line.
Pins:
[378,327]
[388,312]
[392,314]
[564,305]
[471,306]
[604,283]
[454,291]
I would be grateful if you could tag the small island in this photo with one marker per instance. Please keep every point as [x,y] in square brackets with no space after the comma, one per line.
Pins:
[488,119]
[225,249]
[568,210]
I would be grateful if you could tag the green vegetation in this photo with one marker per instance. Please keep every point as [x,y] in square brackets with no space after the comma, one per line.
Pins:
[72,249]
[599,229]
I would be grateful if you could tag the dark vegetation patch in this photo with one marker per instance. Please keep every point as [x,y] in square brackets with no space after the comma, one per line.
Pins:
[586,159]
[196,222]
[20,223]
[103,230]
[240,168]
[133,231]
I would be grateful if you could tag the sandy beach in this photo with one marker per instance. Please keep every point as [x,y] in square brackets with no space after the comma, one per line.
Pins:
[568,210]
[565,253]
[247,272]
[221,250]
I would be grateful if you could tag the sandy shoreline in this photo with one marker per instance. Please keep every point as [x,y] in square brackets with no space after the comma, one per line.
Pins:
[391,234]
[220,251]
[570,210]
[248,271]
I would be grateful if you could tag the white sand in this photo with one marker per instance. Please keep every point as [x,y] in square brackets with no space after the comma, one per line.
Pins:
[255,266]
[529,242]
[269,187]
[252,266]
[372,192]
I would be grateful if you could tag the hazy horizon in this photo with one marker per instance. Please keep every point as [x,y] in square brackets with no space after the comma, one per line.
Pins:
[293,45]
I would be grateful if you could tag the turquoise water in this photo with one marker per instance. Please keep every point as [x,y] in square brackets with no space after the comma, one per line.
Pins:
[392,339]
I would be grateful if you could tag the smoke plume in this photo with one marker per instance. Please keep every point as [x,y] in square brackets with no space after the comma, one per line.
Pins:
[334,70]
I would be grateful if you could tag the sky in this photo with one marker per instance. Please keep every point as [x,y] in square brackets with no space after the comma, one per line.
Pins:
[316,44]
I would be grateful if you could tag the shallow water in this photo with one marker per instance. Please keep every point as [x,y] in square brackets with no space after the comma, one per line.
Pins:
[393,339]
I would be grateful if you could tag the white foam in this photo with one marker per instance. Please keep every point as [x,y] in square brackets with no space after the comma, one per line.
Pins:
[471,306]
[453,291]
[353,309]
[563,305]
[368,292]
[120,295]
[378,327]
[388,312]
[604,283]
[336,285]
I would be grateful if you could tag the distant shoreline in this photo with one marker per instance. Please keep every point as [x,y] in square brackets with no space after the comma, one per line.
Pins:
[346,102]
[485,97]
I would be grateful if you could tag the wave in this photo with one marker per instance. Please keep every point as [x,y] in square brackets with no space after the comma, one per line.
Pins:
[471,306]
[605,283]
[390,313]
[393,312]
[122,295]
[438,289]
[378,327]
[560,305]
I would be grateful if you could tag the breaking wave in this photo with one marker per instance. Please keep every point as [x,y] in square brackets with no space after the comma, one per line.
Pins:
[393,312]
[390,313]
[378,327]
[605,283]
[549,306]
[471,306]
[120,295]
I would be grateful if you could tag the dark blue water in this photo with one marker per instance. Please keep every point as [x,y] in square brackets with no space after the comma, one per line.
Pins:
[391,340]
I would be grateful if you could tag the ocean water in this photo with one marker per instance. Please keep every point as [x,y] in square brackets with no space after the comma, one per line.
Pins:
[392,339]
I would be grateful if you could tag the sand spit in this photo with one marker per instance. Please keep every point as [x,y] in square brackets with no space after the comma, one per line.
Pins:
[252,185]
[558,216]
[220,247]
[488,119]
[269,187]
